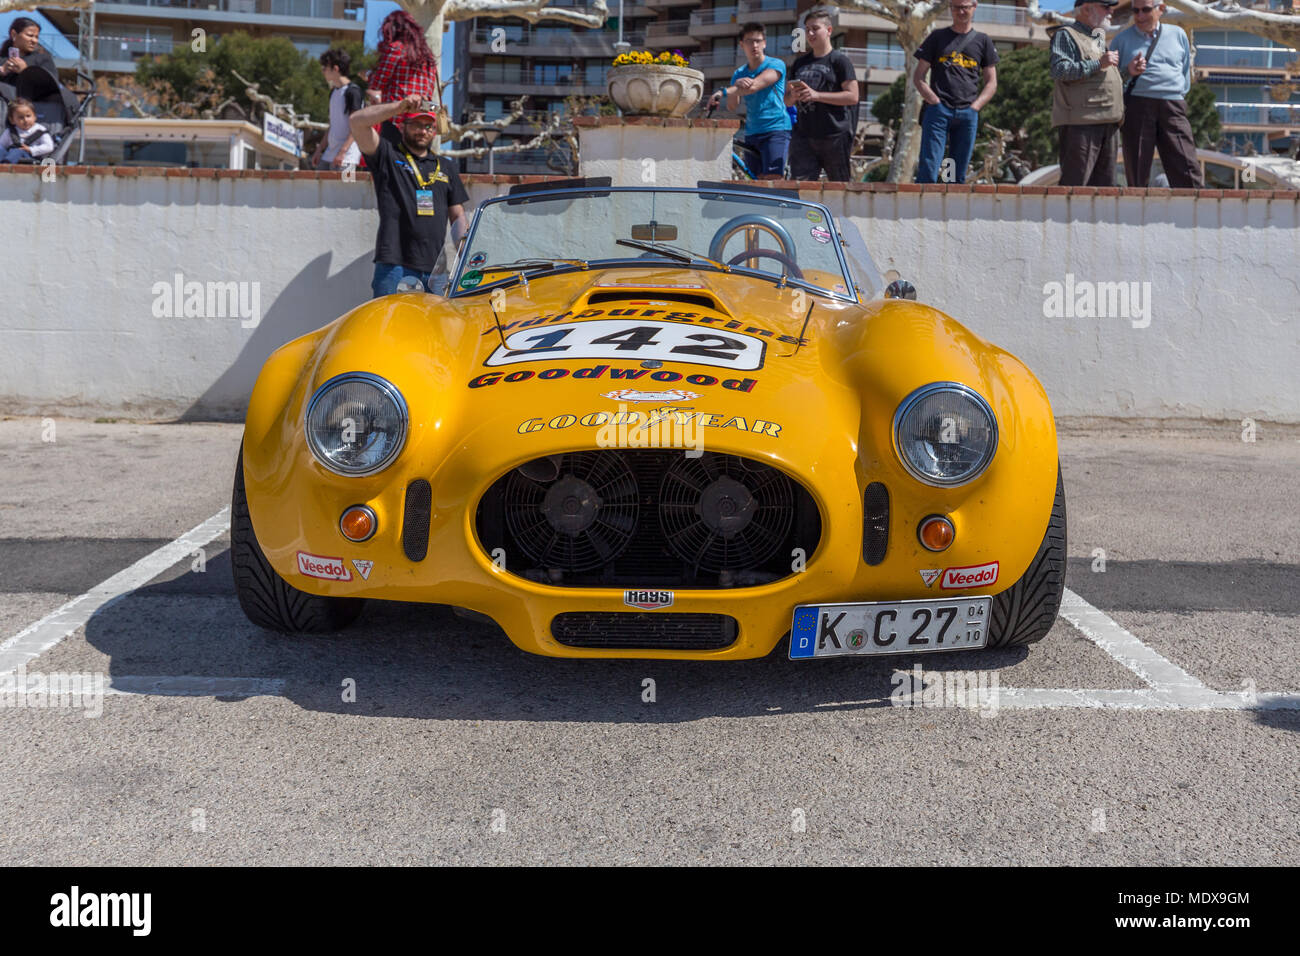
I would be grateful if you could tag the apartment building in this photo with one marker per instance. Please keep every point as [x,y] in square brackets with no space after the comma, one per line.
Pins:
[119,33]
[113,36]
[1256,85]
[498,60]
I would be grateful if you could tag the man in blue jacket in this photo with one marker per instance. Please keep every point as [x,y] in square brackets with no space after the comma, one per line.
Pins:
[1156,62]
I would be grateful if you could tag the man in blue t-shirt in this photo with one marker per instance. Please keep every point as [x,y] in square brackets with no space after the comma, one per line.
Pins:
[761,81]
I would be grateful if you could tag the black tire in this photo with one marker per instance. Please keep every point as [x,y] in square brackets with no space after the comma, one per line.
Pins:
[1026,611]
[267,599]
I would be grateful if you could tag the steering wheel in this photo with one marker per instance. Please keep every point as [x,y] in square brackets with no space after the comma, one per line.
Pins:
[753,221]
[780,257]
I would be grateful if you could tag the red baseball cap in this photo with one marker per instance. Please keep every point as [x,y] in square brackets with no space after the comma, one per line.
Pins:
[432,114]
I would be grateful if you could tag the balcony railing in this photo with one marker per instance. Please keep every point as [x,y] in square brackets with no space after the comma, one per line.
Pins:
[1259,114]
[580,41]
[707,61]
[525,81]
[749,7]
[993,13]
[1000,13]
[326,9]
[124,47]
[1250,57]
[882,58]
[670,28]
[703,18]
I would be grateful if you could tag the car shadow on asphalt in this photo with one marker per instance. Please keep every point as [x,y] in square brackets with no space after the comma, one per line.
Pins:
[422,661]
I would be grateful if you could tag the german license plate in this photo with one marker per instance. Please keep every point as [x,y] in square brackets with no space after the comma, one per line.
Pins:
[889,627]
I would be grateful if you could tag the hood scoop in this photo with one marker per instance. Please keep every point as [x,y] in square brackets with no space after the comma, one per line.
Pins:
[659,295]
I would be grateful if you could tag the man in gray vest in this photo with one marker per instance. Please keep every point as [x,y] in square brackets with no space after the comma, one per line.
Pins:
[1088,98]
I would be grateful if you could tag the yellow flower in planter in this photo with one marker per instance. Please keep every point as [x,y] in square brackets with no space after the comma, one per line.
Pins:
[646,58]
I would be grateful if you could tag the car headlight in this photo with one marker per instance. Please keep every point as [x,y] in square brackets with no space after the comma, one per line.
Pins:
[356,424]
[945,434]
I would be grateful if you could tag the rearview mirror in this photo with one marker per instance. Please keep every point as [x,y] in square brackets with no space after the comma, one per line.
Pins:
[654,231]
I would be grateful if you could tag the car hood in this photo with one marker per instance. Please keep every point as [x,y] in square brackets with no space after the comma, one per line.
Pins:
[819,378]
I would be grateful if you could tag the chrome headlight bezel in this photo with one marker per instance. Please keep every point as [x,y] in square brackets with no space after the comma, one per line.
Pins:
[389,391]
[966,392]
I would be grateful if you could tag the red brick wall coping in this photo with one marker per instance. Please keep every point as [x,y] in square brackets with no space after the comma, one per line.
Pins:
[825,189]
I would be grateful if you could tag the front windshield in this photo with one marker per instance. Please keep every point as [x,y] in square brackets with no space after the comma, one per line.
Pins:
[773,237]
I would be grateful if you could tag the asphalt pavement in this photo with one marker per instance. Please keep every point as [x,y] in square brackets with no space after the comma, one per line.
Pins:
[1157,723]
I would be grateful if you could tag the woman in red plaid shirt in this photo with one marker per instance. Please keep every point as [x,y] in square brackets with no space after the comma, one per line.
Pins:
[406,66]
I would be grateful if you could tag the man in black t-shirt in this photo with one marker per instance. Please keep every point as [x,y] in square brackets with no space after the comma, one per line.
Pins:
[955,57]
[825,91]
[418,193]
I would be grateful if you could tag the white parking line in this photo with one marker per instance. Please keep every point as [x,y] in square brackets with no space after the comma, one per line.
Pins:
[1171,687]
[33,641]
[198,686]
[1167,678]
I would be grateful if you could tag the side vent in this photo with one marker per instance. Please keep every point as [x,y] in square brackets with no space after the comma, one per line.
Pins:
[415,519]
[875,523]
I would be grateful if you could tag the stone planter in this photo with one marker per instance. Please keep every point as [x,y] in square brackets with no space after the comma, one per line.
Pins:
[654,89]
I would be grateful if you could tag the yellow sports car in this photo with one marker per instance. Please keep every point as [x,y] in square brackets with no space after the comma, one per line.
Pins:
[679,423]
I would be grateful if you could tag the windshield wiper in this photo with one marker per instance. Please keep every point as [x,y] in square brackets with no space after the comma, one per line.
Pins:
[537,263]
[672,252]
[523,266]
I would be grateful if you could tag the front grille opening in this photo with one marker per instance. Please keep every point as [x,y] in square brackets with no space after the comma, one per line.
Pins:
[875,523]
[666,295]
[642,631]
[649,518]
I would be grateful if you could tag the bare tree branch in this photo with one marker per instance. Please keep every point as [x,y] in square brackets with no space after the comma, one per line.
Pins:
[284,111]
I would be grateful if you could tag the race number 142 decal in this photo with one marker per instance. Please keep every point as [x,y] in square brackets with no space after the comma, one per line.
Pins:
[615,339]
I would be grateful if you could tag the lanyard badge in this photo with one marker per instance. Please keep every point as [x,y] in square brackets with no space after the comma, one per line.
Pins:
[424,194]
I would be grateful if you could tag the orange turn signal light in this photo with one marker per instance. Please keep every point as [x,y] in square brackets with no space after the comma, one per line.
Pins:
[936,532]
[358,523]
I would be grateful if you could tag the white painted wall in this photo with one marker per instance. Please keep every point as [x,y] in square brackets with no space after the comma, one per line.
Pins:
[1223,339]
[656,155]
[80,336]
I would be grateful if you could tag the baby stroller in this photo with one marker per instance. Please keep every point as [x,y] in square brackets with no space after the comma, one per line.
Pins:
[61,113]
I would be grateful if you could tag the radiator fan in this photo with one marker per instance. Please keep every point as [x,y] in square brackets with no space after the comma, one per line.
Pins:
[723,513]
[573,512]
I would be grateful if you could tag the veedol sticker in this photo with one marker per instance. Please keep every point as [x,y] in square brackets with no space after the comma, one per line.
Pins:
[318,566]
[972,576]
